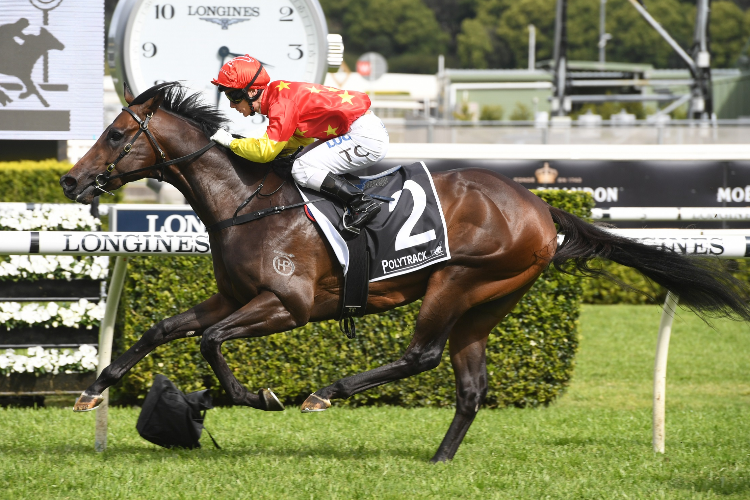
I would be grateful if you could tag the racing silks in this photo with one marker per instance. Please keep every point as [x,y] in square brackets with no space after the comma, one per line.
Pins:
[298,113]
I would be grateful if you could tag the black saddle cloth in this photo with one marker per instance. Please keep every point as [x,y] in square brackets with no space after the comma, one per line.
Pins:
[408,234]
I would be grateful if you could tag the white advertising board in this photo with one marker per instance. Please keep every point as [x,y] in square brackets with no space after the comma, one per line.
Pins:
[51,66]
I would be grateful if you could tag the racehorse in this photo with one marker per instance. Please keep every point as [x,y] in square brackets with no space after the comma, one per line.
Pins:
[20,59]
[501,239]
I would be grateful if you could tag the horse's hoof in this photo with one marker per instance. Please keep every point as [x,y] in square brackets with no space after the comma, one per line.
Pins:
[88,402]
[270,400]
[315,403]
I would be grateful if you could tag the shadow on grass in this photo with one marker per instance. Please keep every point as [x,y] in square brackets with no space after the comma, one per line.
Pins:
[716,485]
[208,452]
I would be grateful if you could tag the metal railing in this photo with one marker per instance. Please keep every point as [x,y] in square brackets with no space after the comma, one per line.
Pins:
[616,131]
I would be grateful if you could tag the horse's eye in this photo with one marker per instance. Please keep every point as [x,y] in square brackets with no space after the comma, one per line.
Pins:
[115,136]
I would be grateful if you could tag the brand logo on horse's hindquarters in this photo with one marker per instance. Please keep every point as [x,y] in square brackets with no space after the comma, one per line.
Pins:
[283,264]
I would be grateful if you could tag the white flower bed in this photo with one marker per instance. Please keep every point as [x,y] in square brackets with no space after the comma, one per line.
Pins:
[50,314]
[48,218]
[74,315]
[30,267]
[54,361]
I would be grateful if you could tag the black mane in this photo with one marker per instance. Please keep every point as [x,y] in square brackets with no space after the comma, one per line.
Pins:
[192,106]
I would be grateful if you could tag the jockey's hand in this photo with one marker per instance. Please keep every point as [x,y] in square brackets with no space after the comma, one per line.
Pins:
[222,137]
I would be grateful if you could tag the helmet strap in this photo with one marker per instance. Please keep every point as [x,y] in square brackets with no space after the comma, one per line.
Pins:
[254,98]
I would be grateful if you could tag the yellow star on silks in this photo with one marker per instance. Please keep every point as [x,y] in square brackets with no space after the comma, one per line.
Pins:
[331,130]
[300,132]
[314,90]
[346,97]
[332,89]
[282,85]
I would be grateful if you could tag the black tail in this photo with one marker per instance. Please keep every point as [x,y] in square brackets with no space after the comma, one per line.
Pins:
[702,284]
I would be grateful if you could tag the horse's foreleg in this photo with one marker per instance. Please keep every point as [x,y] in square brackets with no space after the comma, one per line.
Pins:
[262,316]
[467,343]
[4,99]
[192,322]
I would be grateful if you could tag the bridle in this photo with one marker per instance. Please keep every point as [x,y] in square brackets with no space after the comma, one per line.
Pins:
[102,179]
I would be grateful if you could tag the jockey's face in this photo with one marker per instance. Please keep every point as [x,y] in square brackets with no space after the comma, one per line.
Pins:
[244,106]
[241,107]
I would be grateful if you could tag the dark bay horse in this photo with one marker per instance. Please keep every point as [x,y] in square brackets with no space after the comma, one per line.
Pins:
[501,239]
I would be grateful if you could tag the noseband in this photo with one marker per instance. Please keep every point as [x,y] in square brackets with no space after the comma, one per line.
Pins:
[102,179]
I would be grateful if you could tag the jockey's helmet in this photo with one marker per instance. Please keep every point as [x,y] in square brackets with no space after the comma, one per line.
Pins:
[243,72]
[238,76]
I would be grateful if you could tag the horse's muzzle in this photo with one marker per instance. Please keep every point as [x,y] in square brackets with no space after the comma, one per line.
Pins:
[68,184]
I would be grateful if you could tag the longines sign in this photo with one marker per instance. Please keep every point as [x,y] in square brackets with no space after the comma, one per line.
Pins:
[51,54]
[102,243]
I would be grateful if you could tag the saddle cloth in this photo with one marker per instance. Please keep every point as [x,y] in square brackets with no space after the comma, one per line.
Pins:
[408,234]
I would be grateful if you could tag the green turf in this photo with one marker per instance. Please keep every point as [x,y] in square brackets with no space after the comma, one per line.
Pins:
[594,443]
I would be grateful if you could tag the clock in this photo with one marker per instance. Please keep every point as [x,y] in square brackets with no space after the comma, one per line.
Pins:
[153,41]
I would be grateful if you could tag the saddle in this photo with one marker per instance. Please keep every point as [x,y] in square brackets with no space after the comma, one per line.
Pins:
[408,234]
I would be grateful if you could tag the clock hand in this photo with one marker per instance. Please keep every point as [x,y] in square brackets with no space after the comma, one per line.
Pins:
[224,52]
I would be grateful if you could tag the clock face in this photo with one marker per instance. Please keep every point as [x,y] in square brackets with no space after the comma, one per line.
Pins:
[188,41]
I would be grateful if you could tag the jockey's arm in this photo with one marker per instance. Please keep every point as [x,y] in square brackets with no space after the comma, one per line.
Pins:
[260,150]
[281,135]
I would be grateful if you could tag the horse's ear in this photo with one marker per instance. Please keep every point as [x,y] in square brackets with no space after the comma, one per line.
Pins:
[153,104]
[127,93]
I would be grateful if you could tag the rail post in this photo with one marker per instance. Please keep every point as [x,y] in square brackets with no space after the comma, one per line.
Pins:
[660,371]
[106,334]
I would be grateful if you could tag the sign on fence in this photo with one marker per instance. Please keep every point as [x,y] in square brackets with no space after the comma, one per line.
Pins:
[155,219]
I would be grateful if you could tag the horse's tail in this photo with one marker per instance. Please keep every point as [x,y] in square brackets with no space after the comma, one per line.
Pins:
[702,284]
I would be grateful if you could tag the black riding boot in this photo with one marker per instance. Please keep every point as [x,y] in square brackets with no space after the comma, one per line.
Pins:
[362,208]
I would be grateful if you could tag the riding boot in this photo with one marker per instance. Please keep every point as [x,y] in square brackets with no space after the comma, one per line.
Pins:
[362,208]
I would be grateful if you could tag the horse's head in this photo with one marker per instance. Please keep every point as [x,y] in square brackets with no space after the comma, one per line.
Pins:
[48,41]
[116,152]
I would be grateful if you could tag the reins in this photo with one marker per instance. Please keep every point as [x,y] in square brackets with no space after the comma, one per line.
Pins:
[244,219]
[102,179]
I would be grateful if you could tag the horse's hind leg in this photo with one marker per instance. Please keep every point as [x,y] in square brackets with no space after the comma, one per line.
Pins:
[438,314]
[467,343]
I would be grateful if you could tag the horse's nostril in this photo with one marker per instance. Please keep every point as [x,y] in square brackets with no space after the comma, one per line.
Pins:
[68,181]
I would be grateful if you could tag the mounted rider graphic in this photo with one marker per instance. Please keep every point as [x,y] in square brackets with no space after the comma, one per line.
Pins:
[298,114]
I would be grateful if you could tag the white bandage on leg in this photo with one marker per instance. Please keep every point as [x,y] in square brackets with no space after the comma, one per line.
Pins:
[365,144]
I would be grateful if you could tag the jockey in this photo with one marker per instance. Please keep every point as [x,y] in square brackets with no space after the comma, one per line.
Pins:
[298,114]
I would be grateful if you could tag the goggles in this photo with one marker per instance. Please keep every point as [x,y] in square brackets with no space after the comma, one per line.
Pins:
[235,96]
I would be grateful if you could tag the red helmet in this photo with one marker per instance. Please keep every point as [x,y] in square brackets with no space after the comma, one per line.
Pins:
[241,71]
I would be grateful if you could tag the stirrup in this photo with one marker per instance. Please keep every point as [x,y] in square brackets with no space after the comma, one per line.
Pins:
[351,229]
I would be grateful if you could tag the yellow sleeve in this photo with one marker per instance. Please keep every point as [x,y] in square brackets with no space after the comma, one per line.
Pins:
[260,150]
[294,142]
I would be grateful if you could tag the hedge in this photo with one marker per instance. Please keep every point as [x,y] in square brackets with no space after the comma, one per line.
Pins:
[36,182]
[530,357]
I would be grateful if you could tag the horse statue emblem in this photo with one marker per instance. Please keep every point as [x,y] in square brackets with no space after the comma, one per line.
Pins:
[19,59]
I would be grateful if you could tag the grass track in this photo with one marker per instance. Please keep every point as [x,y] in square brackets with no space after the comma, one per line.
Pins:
[594,443]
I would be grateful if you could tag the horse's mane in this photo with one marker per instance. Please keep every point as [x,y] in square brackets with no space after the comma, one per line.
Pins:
[205,116]
[192,107]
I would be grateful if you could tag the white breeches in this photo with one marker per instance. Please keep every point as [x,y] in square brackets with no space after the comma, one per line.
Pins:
[365,144]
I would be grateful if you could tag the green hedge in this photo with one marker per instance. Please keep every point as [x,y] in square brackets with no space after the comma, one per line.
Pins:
[36,182]
[530,359]
[33,181]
